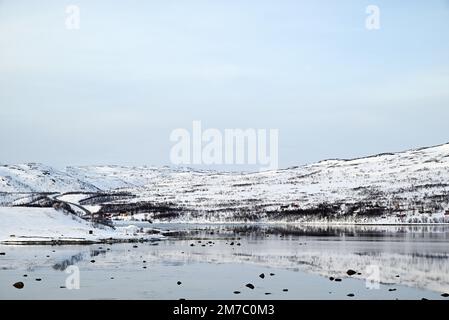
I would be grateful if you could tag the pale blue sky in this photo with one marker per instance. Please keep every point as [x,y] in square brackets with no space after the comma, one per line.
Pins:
[112,91]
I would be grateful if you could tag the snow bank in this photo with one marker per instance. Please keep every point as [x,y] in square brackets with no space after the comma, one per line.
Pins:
[46,225]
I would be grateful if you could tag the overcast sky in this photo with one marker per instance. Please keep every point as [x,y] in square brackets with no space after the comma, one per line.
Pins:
[112,91]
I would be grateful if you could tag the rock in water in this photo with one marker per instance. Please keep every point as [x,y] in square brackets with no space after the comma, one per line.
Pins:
[251,286]
[351,272]
[350,295]
[445,295]
[262,275]
[179,283]
[18,285]
[331,278]
[285,290]
[236,292]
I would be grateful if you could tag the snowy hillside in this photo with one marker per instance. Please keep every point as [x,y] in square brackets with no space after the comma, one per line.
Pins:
[34,177]
[413,183]
[411,186]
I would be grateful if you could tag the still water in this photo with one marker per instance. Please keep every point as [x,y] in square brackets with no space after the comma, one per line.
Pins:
[218,261]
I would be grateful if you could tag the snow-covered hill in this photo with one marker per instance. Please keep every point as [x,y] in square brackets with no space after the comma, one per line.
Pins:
[410,186]
[34,177]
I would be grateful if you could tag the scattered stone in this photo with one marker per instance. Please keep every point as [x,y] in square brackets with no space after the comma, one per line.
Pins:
[267,293]
[338,279]
[285,290]
[203,245]
[251,286]
[397,276]
[48,256]
[424,299]
[239,244]
[92,261]
[144,267]
[391,289]
[18,285]
[192,245]
[25,275]
[331,278]
[232,243]
[271,274]
[38,279]
[135,247]
[359,273]
[350,295]
[262,275]
[144,261]
[2,253]
[236,292]
[179,283]
[351,272]
[91,232]
[112,278]
[62,287]
[445,295]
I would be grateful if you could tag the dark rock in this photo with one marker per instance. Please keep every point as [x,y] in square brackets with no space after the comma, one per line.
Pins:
[92,261]
[338,279]
[351,272]
[2,253]
[397,276]
[271,274]
[232,243]
[239,244]
[445,295]
[331,278]
[285,290]
[192,245]
[179,283]
[262,275]
[18,285]
[25,275]
[38,279]
[91,232]
[135,247]
[350,295]
[62,287]
[391,290]
[236,292]
[251,286]
[267,293]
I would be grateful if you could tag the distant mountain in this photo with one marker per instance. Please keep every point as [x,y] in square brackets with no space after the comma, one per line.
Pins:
[408,186]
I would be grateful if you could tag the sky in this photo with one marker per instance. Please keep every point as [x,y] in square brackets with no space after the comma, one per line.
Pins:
[112,91]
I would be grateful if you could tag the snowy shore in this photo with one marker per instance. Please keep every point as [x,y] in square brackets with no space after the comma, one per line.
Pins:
[21,225]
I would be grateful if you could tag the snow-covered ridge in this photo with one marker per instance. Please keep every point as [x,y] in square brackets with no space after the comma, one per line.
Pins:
[410,186]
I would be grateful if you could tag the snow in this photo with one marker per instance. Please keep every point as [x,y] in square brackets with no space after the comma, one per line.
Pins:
[410,187]
[24,225]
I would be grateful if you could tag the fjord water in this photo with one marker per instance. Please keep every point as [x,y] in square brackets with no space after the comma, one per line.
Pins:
[205,261]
